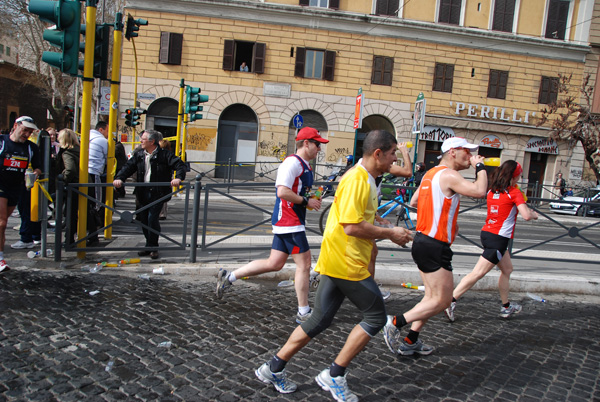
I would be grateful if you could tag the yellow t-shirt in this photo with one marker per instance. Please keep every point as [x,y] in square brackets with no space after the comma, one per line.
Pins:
[342,256]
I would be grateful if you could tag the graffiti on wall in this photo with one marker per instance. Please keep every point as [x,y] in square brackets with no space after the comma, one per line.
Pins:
[339,153]
[198,139]
[272,148]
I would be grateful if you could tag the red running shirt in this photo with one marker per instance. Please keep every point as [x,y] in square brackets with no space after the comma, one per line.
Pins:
[502,212]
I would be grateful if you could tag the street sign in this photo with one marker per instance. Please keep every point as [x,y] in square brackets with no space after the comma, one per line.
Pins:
[104,101]
[419,114]
[358,110]
[298,121]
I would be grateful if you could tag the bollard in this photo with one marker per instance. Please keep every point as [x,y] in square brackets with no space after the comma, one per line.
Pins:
[195,215]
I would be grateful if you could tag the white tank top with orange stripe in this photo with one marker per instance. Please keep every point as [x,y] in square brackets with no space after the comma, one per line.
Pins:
[436,213]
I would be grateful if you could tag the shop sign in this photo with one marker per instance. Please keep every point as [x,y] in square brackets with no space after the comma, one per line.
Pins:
[492,112]
[491,141]
[542,146]
[434,133]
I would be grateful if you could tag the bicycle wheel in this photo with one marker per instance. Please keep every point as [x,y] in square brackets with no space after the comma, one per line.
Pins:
[323,218]
[401,215]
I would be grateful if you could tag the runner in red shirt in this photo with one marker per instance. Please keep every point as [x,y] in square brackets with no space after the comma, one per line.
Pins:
[504,202]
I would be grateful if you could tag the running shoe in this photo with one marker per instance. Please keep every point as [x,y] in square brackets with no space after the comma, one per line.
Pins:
[419,347]
[450,311]
[301,318]
[391,335]
[222,282]
[384,293]
[279,380]
[21,244]
[338,386]
[513,308]
[3,266]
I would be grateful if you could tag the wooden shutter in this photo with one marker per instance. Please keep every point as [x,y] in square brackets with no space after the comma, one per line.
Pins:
[258,61]
[171,47]
[334,4]
[329,69]
[558,12]
[163,55]
[300,60]
[386,7]
[497,84]
[448,77]
[548,90]
[450,11]
[377,70]
[228,50]
[388,71]
[304,2]
[504,12]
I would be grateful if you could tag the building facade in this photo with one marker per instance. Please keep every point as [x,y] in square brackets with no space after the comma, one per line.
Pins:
[485,68]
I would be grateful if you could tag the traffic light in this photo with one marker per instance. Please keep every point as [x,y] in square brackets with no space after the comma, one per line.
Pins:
[192,99]
[66,15]
[133,26]
[132,116]
[101,48]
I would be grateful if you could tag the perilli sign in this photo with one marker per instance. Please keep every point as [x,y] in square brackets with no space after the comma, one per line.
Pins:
[492,112]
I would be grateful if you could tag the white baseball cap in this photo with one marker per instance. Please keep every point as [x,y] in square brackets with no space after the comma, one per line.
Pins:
[27,122]
[457,142]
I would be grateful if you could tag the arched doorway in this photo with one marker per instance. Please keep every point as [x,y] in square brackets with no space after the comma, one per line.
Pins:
[312,119]
[237,137]
[162,116]
[370,123]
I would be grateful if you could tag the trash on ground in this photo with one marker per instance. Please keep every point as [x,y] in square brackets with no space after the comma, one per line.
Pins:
[129,261]
[165,344]
[95,268]
[158,271]
[144,276]
[109,365]
[94,292]
[411,286]
[285,284]
[536,297]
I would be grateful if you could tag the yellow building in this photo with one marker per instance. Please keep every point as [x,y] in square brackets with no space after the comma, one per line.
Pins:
[486,68]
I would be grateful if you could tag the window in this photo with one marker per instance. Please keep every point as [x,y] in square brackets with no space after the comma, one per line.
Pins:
[1,49]
[387,7]
[314,63]
[558,12]
[171,47]
[442,77]
[7,51]
[335,4]
[504,15]
[237,52]
[497,84]
[548,90]
[383,68]
[450,11]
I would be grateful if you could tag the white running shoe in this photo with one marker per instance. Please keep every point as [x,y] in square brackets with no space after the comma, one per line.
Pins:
[338,386]
[279,380]
[21,245]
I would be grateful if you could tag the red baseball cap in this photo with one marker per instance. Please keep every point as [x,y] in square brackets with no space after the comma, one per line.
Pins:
[309,133]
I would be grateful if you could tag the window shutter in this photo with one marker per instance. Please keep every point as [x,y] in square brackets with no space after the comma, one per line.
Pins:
[334,4]
[448,77]
[300,59]
[258,61]
[228,50]
[388,71]
[444,14]
[171,47]
[377,70]
[163,55]
[329,65]
[175,48]
[502,83]
[558,12]
[304,2]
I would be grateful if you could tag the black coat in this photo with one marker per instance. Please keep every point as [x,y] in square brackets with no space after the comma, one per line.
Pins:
[162,165]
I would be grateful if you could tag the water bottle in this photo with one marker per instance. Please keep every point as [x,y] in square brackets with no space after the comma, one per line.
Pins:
[285,284]
[129,261]
[166,344]
[96,268]
[109,365]
[33,254]
[145,277]
[536,297]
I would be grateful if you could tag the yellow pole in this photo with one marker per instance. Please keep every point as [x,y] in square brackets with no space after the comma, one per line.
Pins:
[86,110]
[184,138]
[112,121]
[134,87]
[179,117]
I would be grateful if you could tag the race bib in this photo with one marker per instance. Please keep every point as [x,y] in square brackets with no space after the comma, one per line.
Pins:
[19,162]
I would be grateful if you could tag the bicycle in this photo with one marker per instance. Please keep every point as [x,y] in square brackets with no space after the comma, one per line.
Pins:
[402,215]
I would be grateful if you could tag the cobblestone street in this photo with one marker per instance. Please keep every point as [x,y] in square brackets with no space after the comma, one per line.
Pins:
[56,340]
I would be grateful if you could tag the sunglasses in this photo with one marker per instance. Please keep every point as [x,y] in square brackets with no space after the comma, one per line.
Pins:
[317,143]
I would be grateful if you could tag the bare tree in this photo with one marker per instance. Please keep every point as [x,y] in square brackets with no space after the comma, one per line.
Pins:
[573,121]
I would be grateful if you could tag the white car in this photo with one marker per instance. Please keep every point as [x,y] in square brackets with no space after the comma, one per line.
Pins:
[564,207]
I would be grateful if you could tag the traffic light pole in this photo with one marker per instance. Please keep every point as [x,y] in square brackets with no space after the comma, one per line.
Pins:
[86,111]
[134,87]
[112,121]
[179,116]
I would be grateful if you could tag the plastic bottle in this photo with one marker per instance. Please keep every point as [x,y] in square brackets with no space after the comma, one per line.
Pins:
[144,276]
[96,268]
[129,261]
[108,264]
[33,254]
[491,161]
[536,297]
[165,344]
[318,194]
[285,284]
[109,365]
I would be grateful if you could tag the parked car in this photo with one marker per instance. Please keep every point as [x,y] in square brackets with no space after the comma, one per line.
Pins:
[564,207]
